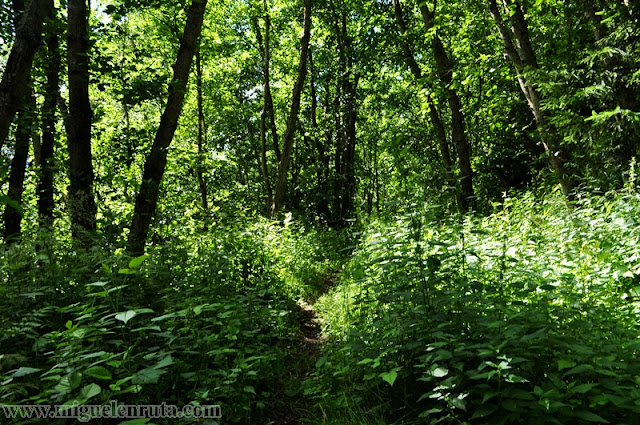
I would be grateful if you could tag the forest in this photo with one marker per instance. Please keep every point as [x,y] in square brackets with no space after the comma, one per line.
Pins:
[282,212]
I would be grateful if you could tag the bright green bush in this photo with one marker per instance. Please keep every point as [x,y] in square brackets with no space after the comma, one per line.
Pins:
[526,316]
[202,320]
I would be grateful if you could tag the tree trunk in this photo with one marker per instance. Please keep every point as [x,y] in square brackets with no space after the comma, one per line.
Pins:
[345,110]
[24,131]
[82,206]
[265,51]
[267,108]
[348,171]
[45,157]
[156,162]
[458,131]
[434,115]
[15,78]
[287,146]
[522,55]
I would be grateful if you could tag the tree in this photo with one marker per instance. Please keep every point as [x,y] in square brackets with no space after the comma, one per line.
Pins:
[287,143]
[15,78]
[156,161]
[519,50]
[46,149]
[458,131]
[434,114]
[13,210]
[81,201]
[267,105]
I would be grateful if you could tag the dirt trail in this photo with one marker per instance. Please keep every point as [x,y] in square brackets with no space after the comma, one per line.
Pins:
[293,406]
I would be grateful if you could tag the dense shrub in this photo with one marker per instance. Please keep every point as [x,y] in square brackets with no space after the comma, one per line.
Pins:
[526,316]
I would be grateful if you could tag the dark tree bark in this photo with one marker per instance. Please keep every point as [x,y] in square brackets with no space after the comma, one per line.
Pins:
[82,205]
[434,115]
[45,157]
[265,51]
[156,162]
[15,78]
[348,170]
[24,131]
[345,111]
[518,48]
[287,144]
[458,131]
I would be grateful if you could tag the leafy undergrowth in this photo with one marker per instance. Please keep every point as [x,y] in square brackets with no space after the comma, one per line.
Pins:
[529,316]
[203,320]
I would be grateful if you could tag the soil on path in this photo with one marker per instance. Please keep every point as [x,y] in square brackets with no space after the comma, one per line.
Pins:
[292,405]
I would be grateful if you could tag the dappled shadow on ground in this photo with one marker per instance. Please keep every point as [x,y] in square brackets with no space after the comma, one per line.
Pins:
[291,407]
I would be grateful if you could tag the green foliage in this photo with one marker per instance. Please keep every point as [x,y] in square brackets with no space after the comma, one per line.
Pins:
[206,320]
[526,315]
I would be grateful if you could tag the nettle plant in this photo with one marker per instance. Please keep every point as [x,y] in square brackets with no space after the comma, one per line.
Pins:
[478,320]
[202,321]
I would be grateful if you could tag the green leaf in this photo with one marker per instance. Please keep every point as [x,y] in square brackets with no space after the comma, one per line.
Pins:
[148,376]
[126,316]
[484,411]
[565,364]
[249,389]
[579,369]
[389,377]
[458,403]
[98,372]
[321,361]
[89,391]
[5,200]
[168,360]
[136,262]
[583,388]
[69,383]
[24,371]
[590,417]
[430,412]
[139,421]
[440,372]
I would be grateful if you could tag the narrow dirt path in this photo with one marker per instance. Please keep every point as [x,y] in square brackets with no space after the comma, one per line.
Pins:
[293,406]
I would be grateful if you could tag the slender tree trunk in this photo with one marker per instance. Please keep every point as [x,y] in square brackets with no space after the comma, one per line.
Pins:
[265,51]
[351,116]
[287,146]
[267,86]
[345,110]
[15,78]
[156,162]
[202,184]
[82,206]
[45,157]
[24,131]
[434,115]
[12,214]
[458,131]
[267,108]
[522,56]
